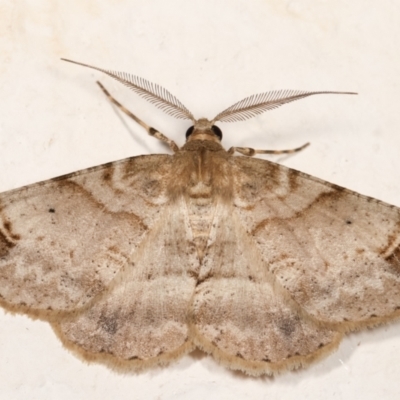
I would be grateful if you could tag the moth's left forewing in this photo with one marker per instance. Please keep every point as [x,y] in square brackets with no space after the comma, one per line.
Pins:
[335,251]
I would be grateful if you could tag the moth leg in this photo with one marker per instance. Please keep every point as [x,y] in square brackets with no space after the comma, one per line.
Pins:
[247,151]
[151,131]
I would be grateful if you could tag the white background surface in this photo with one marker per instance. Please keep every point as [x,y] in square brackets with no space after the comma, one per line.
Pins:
[210,54]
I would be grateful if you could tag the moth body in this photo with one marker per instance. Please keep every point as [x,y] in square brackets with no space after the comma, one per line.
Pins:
[139,261]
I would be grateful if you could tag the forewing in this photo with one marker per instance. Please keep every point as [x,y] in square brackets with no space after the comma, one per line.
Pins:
[63,241]
[335,251]
[242,315]
[141,319]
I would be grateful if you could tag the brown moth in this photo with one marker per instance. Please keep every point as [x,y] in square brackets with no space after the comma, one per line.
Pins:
[137,262]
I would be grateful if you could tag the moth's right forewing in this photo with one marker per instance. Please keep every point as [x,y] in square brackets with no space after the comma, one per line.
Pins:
[64,240]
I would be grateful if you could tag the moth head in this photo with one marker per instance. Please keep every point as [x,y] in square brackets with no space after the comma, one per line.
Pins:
[203,129]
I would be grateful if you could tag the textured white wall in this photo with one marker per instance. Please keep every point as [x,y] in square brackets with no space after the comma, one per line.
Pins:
[210,54]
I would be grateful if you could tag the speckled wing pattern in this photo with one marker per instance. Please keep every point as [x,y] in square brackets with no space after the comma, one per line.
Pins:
[63,241]
[294,263]
[137,262]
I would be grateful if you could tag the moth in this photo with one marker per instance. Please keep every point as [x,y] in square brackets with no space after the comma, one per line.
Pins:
[137,262]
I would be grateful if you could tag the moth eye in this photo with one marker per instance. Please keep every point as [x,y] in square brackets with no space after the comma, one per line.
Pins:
[217,131]
[189,131]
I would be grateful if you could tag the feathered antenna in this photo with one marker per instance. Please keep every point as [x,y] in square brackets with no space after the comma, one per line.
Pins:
[259,103]
[152,92]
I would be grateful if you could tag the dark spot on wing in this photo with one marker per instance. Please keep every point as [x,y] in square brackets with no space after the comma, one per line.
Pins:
[5,245]
[287,326]
[108,172]
[151,188]
[394,259]
[109,323]
[8,227]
